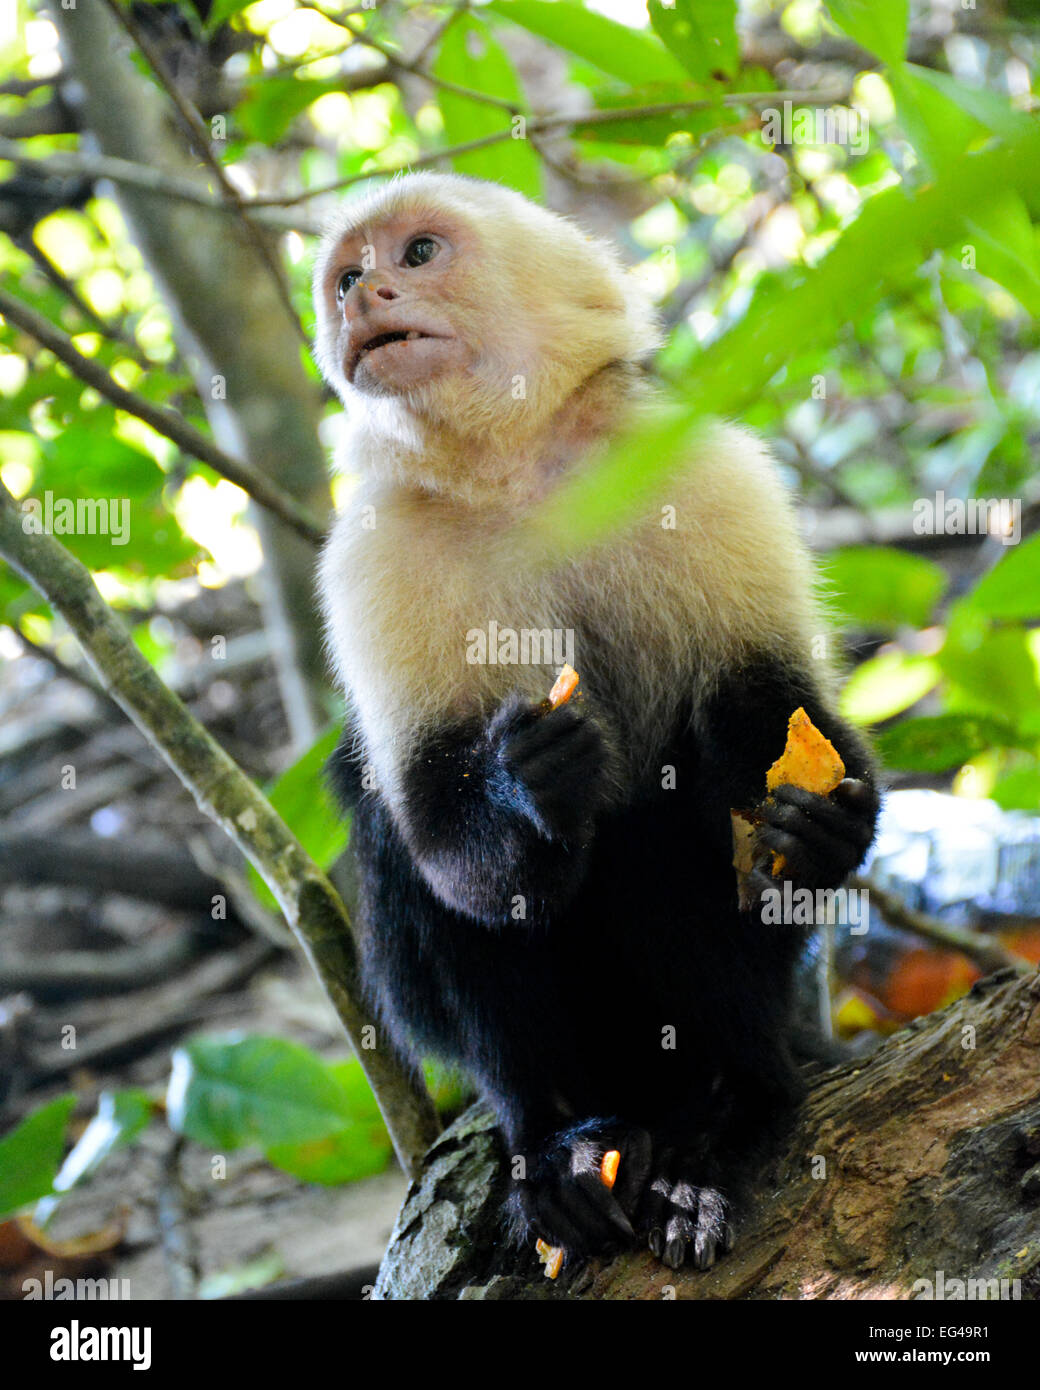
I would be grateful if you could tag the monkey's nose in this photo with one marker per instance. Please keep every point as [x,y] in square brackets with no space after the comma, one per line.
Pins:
[386,292]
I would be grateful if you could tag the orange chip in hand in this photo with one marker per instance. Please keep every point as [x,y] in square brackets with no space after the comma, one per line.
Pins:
[809,761]
[551,1256]
[565,686]
[608,1168]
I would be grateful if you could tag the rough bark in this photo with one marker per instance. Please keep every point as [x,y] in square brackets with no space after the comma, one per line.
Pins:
[924,1157]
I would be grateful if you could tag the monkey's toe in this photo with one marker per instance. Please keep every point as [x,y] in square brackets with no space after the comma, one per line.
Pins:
[683,1220]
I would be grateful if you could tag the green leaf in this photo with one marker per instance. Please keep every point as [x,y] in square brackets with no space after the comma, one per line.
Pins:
[358,1150]
[942,742]
[985,109]
[449,1089]
[886,685]
[30,1155]
[878,587]
[470,57]
[120,1118]
[1019,789]
[633,55]
[302,798]
[1006,248]
[229,1091]
[884,247]
[701,33]
[266,1269]
[937,126]
[997,674]
[1011,590]
[879,26]
[269,105]
[110,495]
[223,10]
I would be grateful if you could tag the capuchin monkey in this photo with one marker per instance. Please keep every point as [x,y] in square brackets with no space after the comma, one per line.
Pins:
[547,897]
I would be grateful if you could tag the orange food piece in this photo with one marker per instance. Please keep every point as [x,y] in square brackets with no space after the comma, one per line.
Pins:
[809,761]
[551,1256]
[565,686]
[609,1166]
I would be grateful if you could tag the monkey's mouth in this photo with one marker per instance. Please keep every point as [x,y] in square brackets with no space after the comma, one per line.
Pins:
[382,340]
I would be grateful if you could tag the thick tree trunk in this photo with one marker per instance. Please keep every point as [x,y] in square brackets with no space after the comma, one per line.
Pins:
[905,1172]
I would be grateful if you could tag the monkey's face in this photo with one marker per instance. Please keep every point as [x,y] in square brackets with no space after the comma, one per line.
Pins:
[449,309]
[394,300]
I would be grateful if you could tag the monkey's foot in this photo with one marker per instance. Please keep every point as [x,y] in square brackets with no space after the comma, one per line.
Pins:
[682,1219]
[564,1199]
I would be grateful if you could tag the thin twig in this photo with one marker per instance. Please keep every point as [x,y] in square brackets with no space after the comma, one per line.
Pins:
[437,33]
[173,1211]
[55,662]
[114,332]
[538,125]
[988,954]
[163,420]
[414,68]
[125,172]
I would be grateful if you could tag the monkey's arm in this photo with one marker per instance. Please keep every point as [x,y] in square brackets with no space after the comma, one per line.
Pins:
[498,815]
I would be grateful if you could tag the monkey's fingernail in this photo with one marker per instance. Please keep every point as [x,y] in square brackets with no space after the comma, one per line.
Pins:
[656,1242]
[622,1223]
[853,792]
[704,1252]
[674,1253]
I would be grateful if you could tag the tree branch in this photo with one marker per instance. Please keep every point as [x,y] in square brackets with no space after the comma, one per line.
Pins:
[163,420]
[146,178]
[540,125]
[922,1157]
[987,953]
[312,907]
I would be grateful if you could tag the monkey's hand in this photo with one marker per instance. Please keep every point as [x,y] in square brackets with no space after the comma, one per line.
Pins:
[563,1198]
[822,838]
[550,766]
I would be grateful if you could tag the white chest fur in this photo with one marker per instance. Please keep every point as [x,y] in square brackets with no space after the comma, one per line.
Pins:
[407,579]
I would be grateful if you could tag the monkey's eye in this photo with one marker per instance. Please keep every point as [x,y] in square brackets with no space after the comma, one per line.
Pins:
[347,281]
[420,250]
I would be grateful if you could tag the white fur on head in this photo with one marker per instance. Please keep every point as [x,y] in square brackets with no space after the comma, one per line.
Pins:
[545,307]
